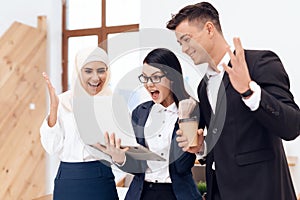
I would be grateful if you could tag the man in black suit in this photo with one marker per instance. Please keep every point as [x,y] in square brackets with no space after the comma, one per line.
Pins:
[246,106]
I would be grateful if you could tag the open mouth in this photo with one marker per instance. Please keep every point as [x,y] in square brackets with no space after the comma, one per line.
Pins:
[154,94]
[94,85]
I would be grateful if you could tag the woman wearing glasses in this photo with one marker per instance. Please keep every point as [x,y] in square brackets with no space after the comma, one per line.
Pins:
[80,175]
[155,125]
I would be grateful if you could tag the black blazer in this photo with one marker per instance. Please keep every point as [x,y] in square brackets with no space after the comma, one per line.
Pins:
[180,165]
[247,145]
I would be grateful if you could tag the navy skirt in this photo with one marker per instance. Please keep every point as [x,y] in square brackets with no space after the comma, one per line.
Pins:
[85,181]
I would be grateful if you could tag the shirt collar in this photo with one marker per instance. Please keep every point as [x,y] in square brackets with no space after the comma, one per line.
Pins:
[160,108]
[210,72]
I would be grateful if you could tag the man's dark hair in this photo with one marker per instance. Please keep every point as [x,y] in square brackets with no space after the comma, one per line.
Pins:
[198,13]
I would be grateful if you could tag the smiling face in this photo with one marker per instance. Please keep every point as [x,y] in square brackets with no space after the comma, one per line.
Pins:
[93,77]
[194,40]
[160,92]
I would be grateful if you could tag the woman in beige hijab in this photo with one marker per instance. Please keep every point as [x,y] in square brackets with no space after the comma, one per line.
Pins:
[81,175]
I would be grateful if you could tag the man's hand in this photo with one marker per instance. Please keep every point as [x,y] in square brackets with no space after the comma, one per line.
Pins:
[238,74]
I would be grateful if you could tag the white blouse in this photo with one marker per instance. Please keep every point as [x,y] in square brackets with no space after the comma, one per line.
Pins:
[63,139]
[158,135]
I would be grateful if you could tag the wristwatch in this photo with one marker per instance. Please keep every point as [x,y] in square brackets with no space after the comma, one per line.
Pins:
[252,88]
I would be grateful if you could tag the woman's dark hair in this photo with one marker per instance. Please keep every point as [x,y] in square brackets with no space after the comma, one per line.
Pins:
[168,63]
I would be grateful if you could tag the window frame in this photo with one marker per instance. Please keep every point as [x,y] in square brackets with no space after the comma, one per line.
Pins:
[101,32]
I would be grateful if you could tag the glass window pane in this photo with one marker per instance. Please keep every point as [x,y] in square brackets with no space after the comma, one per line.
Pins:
[122,59]
[122,12]
[75,44]
[125,65]
[83,14]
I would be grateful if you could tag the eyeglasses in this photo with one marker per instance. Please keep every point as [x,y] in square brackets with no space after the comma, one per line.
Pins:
[153,79]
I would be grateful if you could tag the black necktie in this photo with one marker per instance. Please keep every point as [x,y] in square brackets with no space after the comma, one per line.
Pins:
[205,78]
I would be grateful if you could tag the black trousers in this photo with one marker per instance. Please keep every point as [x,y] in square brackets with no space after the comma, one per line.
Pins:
[85,181]
[157,191]
[215,189]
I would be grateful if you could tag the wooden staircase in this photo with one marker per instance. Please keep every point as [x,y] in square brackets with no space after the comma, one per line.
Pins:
[23,56]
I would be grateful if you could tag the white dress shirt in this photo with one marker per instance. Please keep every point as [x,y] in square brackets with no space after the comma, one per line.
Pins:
[213,84]
[158,135]
[63,139]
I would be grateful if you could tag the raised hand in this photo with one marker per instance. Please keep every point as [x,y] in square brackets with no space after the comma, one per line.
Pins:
[53,101]
[238,74]
[186,107]
[113,148]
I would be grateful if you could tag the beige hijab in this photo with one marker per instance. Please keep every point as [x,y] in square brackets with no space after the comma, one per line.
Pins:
[83,57]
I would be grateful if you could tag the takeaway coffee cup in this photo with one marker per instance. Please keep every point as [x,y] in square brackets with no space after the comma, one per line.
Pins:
[189,127]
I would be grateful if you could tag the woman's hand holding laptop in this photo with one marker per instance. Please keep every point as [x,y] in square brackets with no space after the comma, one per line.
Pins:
[113,148]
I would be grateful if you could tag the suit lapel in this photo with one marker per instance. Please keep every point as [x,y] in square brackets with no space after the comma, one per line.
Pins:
[202,96]
[221,99]
[142,118]
[216,120]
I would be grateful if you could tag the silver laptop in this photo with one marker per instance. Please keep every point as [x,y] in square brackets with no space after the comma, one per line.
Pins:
[96,115]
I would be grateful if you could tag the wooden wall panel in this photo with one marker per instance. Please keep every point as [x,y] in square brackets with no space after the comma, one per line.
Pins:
[22,159]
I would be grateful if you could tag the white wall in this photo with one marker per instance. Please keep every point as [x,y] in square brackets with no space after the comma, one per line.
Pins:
[27,12]
[268,24]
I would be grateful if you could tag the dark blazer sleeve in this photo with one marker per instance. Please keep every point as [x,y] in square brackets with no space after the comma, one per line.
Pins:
[138,119]
[134,166]
[185,161]
[277,112]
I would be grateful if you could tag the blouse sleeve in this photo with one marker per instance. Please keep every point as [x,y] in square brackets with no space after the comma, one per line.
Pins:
[52,137]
